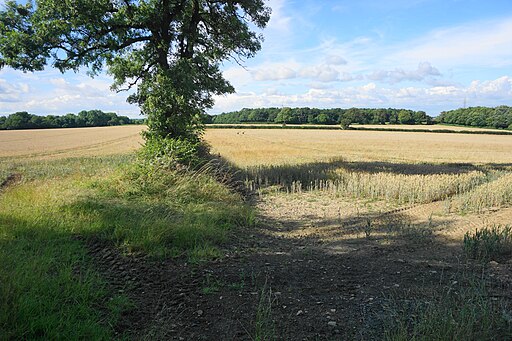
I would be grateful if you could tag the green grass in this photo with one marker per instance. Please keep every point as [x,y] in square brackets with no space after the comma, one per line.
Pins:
[489,243]
[265,329]
[48,289]
[48,286]
[455,313]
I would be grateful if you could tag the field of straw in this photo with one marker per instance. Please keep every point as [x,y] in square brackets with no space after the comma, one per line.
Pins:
[69,142]
[246,147]
[400,168]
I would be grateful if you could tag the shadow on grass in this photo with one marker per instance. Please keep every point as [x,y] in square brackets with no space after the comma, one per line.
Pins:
[49,289]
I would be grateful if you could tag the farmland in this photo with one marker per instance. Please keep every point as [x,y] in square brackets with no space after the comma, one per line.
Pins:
[248,147]
[340,235]
[69,142]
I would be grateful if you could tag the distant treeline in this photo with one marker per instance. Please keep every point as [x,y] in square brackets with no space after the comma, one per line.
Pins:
[342,117]
[91,118]
[499,117]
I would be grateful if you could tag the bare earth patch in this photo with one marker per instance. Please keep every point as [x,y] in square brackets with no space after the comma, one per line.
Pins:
[318,267]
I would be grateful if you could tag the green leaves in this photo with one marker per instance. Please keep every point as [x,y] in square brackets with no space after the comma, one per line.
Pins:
[169,49]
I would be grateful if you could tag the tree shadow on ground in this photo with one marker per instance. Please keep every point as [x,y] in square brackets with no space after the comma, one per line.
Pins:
[286,175]
[336,281]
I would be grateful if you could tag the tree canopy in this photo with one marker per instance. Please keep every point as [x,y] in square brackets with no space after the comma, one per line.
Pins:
[498,117]
[170,50]
[91,118]
[345,117]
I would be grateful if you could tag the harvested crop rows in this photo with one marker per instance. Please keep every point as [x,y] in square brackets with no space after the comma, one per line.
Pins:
[69,142]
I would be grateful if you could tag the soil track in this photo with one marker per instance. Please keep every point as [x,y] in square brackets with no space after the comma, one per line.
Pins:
[10,180]
[319,276]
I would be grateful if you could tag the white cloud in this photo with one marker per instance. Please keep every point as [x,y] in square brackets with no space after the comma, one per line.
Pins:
[51,93]
[482,43]
[293,70]
[424,70]
[279,20]
[501,87]
[276,72]
[321,73]
[238,76]
[335,60]
[432,99]
[12,92]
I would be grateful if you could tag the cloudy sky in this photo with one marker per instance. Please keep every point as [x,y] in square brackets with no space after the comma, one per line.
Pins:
[430,55]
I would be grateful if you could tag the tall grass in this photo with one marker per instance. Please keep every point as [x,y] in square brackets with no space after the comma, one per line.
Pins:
[48,289]
[48,286]
[454,313]
[490,242]
[65,167]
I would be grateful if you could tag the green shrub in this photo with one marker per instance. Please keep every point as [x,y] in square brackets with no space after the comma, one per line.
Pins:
[169,152]
[489,243]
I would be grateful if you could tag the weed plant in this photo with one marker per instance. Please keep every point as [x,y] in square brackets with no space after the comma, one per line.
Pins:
[455,313]
[265,329]
[489,243]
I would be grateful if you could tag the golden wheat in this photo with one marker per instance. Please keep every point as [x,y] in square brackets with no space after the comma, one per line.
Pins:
[251,147]
[399,188]
[70,142]
[494,194]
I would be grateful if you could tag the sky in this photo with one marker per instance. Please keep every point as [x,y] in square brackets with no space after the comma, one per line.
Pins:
[430,55]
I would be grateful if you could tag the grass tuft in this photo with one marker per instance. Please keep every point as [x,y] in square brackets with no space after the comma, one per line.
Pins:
[489,243]
[456,313]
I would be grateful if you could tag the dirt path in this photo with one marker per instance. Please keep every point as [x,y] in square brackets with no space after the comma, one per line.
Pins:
[315,269]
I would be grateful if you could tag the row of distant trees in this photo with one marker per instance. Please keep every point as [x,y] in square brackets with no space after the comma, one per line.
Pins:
[499,117]
[90,118]
[343,117]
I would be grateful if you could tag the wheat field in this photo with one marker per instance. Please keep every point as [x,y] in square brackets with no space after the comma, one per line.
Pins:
[248,147]
[70,142]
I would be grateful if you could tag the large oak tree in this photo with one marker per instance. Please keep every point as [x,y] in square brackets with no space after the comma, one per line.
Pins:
[169,50]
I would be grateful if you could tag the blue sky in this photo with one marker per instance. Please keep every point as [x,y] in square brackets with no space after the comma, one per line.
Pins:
[427,55]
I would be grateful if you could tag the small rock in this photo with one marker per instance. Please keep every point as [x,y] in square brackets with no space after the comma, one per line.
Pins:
[333,310]
[299,313]
[199,312]
[332,324]
[493,263]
